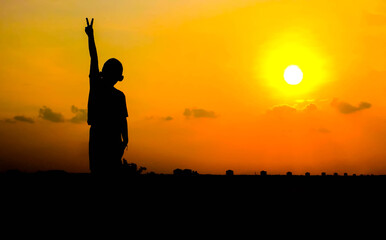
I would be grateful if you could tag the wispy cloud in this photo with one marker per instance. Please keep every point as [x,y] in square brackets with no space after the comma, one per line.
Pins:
[323,130]
[346,108]
[280,110]
[47,114]
[199,113]
[310,108]
[23,119]
[80,115]
[168,118]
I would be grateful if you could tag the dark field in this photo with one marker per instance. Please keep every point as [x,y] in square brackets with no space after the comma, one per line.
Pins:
[83,184]
[155,198]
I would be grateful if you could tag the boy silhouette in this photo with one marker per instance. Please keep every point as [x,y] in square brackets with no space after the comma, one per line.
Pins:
[107,112]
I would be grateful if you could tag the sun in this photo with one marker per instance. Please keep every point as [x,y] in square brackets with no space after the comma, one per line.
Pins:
[292,65]
[293,75]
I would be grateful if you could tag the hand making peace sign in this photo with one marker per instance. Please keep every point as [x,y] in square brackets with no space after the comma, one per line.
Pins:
[89,31]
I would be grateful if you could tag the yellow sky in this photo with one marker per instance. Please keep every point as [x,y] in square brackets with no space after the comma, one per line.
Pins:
[221,60]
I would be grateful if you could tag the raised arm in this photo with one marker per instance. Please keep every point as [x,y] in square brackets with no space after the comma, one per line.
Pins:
[94,68]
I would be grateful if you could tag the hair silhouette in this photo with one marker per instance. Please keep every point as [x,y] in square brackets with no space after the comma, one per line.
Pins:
[112,67]
[107,113]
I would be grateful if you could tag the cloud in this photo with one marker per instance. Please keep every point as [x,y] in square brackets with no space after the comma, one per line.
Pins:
[285,110]
[304,100]
[323,130]
[346,108]
[187,112]
[280,110]
[80,115]
[23,119]
[199,113]
[310,108]
[168,118]
[8,120]
[20,118]
[47,114]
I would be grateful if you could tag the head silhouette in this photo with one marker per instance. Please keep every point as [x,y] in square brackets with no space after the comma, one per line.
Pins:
[112,71]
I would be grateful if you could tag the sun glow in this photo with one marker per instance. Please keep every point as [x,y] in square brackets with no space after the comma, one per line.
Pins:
[301,60]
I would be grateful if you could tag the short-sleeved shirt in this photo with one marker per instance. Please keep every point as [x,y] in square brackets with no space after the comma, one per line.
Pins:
[106,105]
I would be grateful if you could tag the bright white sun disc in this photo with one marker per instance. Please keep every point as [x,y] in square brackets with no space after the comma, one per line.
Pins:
[293,75]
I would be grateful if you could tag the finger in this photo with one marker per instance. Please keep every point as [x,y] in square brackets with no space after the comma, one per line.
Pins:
[87,22]
[92,21]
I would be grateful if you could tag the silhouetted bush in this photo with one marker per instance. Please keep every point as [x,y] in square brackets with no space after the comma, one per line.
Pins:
[131,168]
[185,172]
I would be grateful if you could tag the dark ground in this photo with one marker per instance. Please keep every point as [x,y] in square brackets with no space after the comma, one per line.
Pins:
[159,199]
[30,185]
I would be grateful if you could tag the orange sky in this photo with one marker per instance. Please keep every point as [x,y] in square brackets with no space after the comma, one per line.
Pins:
[222,61]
